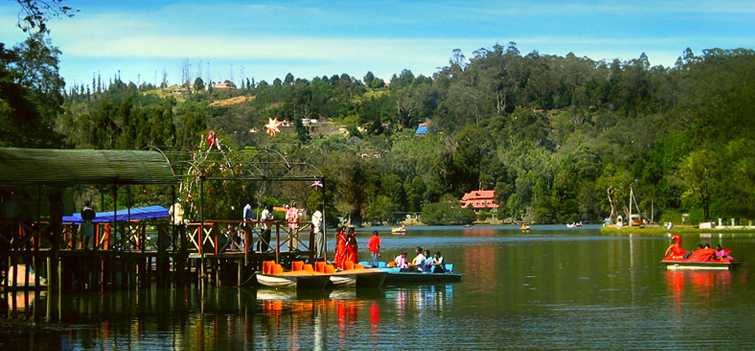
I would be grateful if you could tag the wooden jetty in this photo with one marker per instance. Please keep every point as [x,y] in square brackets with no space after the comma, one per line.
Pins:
[131,253]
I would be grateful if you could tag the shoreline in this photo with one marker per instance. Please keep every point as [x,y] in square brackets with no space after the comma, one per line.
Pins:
[678,230]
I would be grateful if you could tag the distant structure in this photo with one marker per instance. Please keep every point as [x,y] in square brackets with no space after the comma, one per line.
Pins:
[479,199]
[422,129]
[223,85]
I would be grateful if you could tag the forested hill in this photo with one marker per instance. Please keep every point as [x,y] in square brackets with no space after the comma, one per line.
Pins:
[554,136]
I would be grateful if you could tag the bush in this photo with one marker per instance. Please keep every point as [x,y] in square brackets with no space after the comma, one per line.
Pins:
[675,216]
[445,213]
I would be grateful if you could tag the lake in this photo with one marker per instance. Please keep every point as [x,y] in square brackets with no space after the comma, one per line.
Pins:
[551,288]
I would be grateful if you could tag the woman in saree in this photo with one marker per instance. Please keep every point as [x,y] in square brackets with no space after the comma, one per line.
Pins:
[340,248]
[352,247]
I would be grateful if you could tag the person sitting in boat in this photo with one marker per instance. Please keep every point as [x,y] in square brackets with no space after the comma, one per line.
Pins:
[439,264]
[429,260]
[400,260]
[675,251]
[418,263]
[723,254]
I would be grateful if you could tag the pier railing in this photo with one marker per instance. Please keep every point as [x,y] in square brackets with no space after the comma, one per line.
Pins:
[212,237]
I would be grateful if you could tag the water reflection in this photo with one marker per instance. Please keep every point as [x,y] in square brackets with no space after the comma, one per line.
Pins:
[575,291]
[687,287]
[307,316]
[427,297]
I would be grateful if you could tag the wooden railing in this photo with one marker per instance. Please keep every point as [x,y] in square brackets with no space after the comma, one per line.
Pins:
[212,237]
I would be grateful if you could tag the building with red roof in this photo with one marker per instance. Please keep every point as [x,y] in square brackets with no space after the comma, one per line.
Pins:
[479,199]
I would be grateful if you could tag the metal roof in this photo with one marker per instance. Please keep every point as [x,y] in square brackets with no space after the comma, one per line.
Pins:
[82,167]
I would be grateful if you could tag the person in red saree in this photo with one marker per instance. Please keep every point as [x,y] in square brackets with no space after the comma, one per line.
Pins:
[340,248]
[352,247]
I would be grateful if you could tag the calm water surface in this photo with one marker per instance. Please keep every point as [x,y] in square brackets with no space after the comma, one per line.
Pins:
[552,288]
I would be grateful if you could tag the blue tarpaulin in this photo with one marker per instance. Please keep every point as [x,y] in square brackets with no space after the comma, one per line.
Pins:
[123,215]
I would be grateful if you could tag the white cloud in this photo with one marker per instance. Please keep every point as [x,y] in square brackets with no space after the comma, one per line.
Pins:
[344,36]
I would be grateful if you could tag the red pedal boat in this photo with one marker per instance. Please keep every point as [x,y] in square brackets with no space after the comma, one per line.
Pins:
[704,258]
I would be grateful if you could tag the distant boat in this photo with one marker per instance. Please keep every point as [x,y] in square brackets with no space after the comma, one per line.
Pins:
[399,230]
[525,227]
[574,225]
[637,221]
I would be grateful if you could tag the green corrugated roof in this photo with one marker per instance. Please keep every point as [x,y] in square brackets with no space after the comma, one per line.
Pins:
[82,167]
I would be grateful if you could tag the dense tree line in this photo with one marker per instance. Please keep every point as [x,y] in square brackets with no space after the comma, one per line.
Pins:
[560,139]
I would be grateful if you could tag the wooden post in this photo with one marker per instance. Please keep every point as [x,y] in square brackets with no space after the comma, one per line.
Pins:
[160,264]
[201,230]
[278,242]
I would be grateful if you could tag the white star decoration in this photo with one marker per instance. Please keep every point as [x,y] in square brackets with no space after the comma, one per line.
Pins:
[272,126]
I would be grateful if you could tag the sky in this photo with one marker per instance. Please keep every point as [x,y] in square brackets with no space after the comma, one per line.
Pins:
[264,40]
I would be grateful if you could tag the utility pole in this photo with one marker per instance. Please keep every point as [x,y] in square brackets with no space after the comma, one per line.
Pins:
[631,193]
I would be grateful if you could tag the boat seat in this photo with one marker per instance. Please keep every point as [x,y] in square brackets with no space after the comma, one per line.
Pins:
[297,266]
[307,267]
[348,265]
[358,266]
[320,266]
[330,269]
[277,269]
[267,266]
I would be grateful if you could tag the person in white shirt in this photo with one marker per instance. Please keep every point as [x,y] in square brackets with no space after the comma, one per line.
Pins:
[418,263]
[248,213]
[267,215]
[439,264]
[319,246]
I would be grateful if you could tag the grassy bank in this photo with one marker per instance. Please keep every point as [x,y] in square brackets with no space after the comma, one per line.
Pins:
[675,230]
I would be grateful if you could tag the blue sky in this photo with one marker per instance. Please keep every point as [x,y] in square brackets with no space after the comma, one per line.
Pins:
[265,40]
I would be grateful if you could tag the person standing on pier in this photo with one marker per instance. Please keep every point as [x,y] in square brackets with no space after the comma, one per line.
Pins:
[352,247]
[87,227]
[319,246]
[267,215]
[248,214]
[292,217]
[340,252]
[374,245]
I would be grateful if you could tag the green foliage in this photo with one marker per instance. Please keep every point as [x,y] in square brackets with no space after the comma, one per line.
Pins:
[560,139]
[30,93]
[447,212]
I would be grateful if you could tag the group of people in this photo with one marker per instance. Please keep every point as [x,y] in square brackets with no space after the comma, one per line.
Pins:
[423,262]
[719,254]
[703,252]
[292,220]
[346,247]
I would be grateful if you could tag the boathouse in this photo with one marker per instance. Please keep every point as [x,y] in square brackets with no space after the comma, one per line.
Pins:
[137,246]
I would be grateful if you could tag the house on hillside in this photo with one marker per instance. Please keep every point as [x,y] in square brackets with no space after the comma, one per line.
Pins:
[223,85]
[479,199]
